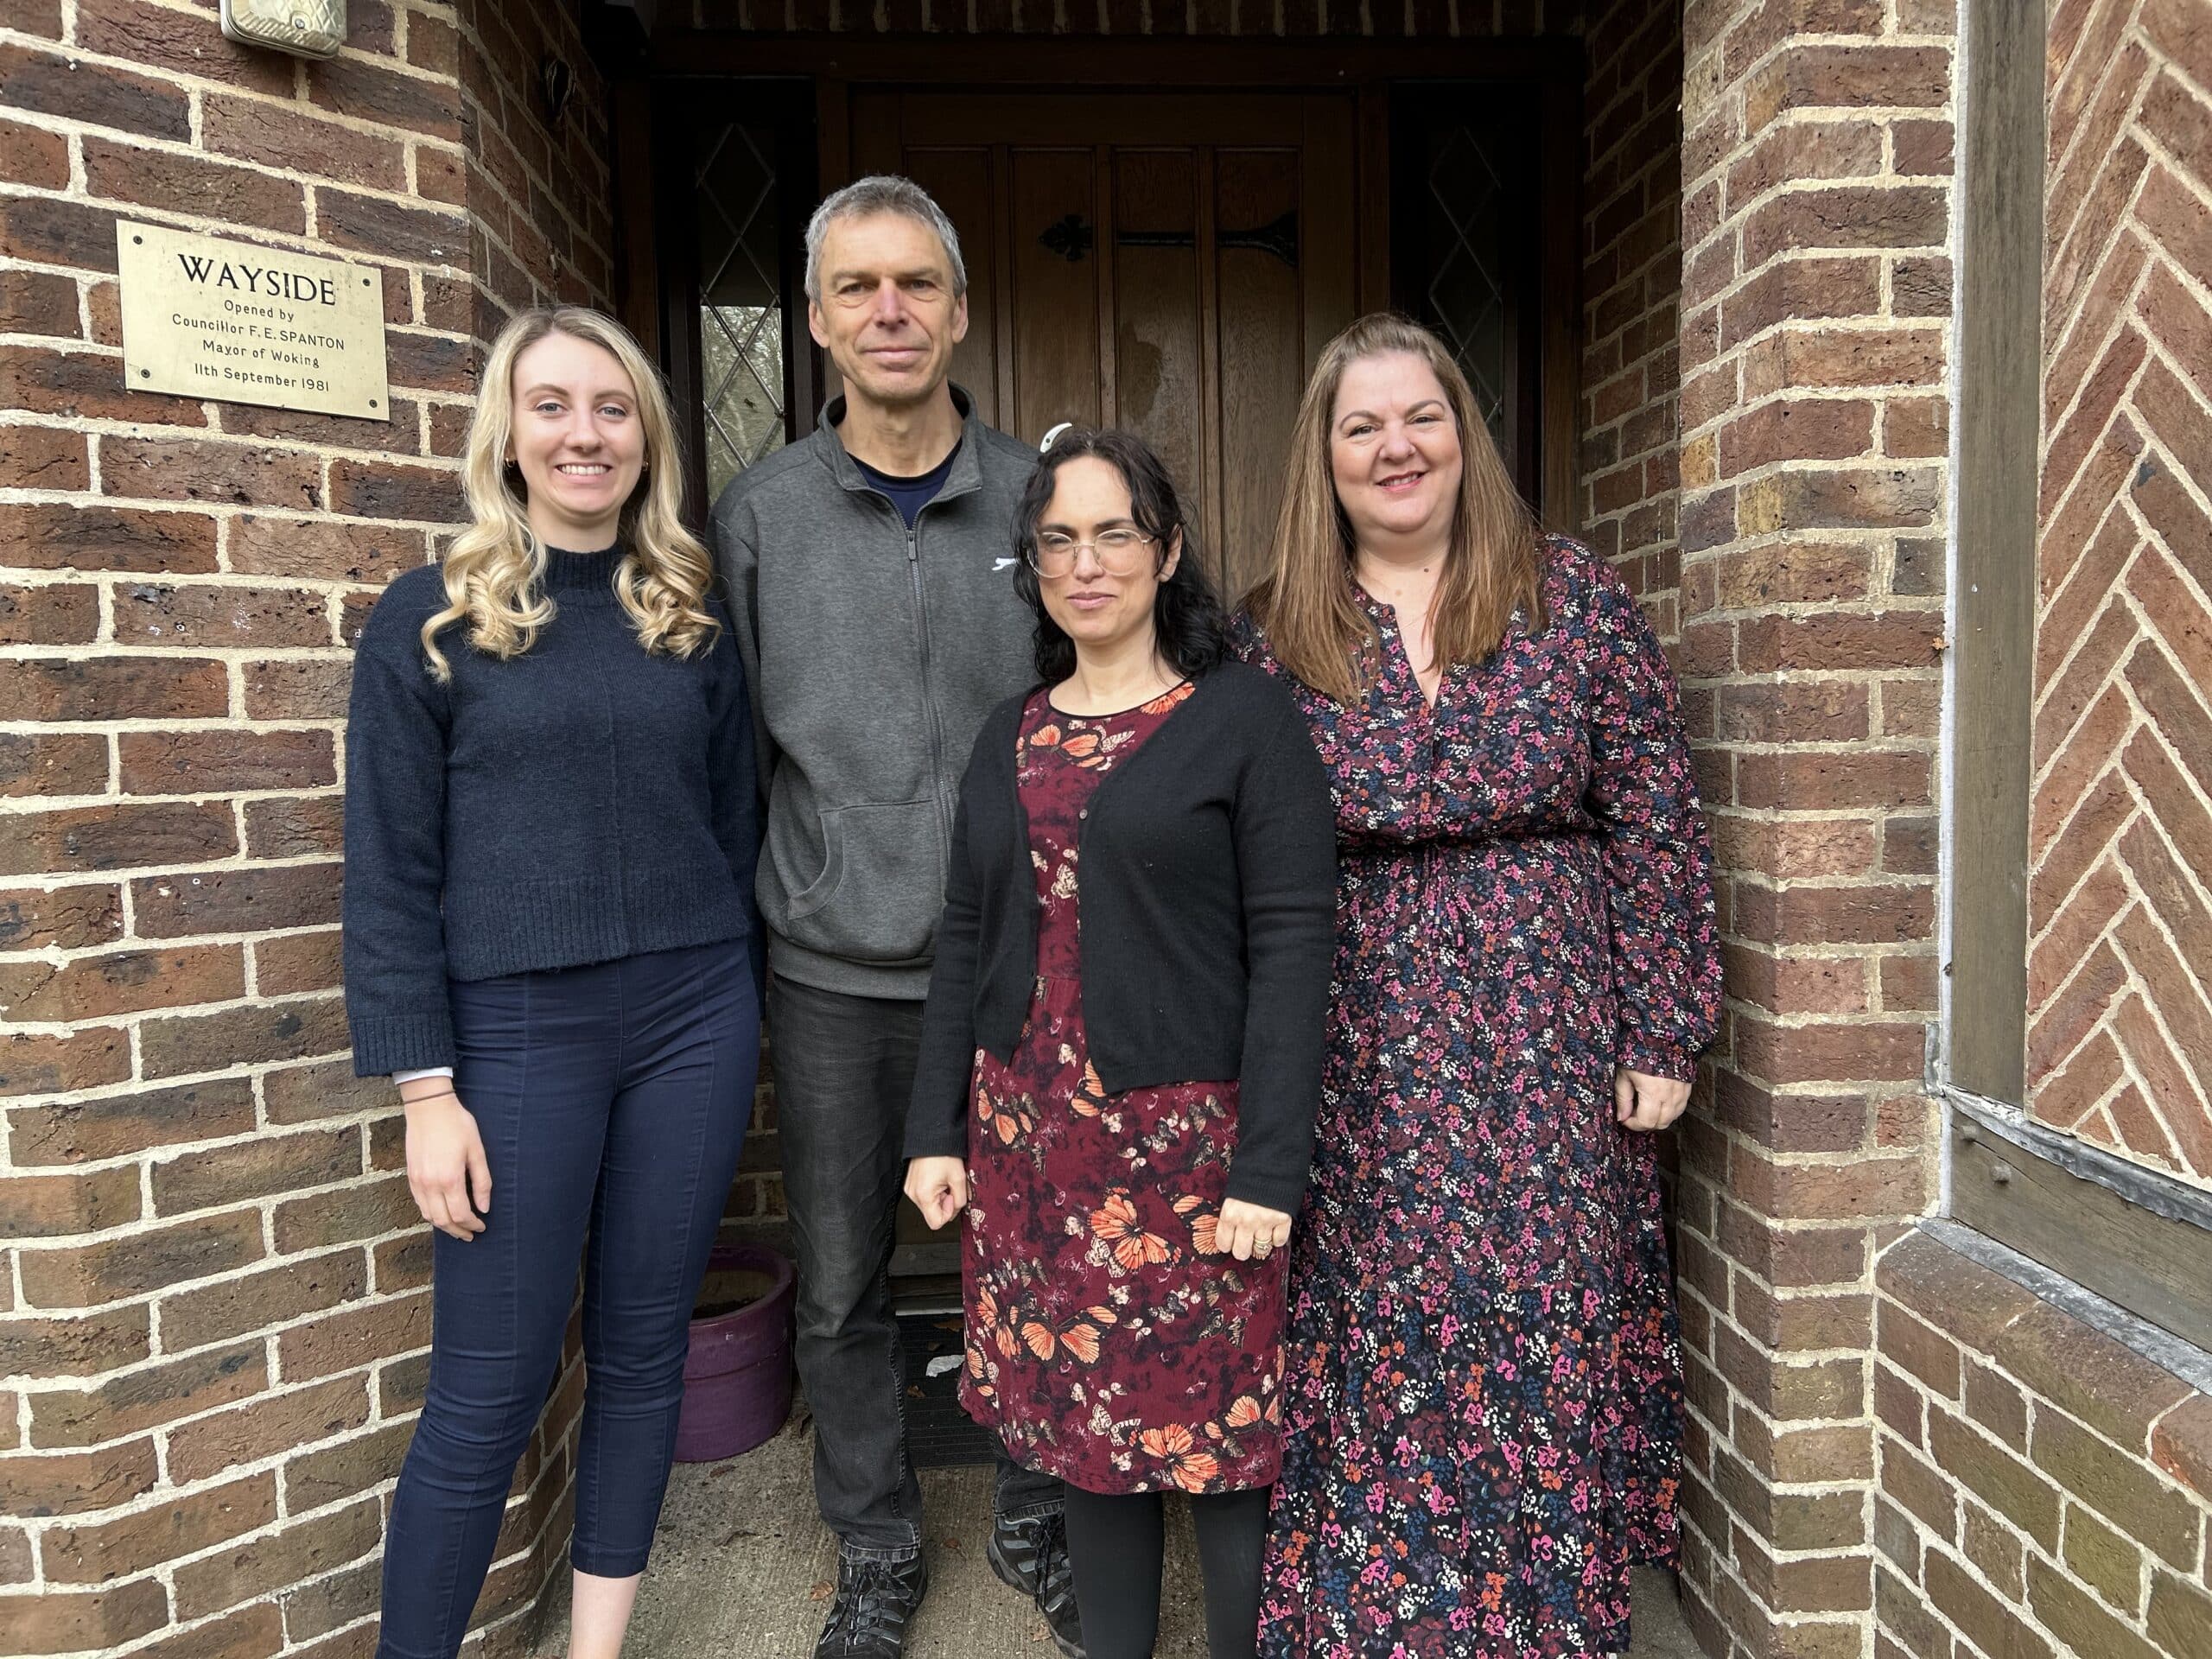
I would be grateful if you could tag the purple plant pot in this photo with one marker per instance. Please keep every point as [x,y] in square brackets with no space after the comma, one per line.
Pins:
[737,1377]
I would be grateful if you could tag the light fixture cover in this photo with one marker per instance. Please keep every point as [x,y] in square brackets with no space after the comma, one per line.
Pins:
[306,28]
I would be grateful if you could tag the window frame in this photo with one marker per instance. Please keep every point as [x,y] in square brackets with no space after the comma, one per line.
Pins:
[2139,1239]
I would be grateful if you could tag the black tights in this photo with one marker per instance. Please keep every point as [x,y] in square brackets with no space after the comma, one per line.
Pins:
[1114,1546]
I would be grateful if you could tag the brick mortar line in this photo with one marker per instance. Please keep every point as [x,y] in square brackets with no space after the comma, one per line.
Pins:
[2138,899]
[2125,314]
[82,195]
[2175,1167]
[199,89]
[2113,678]
[1803,254]
[134,1019]
[2148,1559]
[307,243]
[103,427]
[1884,393]
[2118,594]
[153,1158]
[266,1336]
[163,1572]
[2199,489]
[2083,134]
[71,47]
[92,1383]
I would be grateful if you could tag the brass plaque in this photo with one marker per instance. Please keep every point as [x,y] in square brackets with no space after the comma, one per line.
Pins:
[207,317]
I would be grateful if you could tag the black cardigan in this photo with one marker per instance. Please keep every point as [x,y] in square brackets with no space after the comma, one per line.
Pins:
[1209,905]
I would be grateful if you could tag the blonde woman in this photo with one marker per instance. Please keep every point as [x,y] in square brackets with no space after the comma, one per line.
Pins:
[550,944]
[1482,1410]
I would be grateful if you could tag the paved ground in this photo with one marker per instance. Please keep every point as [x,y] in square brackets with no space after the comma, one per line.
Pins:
[742,1569]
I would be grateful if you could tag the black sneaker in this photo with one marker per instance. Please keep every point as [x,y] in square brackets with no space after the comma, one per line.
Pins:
[1030,1554]
[874,1602]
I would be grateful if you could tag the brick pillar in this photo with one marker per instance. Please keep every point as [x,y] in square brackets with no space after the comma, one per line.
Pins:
[1815,216]
[212,1292]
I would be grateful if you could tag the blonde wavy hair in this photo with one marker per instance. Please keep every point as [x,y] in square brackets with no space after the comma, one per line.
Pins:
[1314,625]
[495,570]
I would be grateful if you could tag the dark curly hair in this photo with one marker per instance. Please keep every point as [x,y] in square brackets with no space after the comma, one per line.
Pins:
[1187,621]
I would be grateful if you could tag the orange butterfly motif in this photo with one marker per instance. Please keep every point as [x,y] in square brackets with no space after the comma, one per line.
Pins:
[1090,1097]
[1010,1120]
[1115,1221]
[1001,1329]
[1166,700]
[1202,1226]
[1078,1338]
[1244,1411]
[1189,1465]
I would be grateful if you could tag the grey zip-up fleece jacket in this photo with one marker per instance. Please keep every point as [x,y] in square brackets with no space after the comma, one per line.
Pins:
[872,654]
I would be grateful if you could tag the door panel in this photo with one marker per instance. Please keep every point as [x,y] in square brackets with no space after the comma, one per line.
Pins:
[1173,265]
[1158,383]
[960,180]
[1055,310]
[1262,370]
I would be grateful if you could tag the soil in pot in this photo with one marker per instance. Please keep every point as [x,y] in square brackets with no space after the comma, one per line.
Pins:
[726,1289]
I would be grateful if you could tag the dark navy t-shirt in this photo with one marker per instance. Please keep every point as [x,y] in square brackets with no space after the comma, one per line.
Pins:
[910,495]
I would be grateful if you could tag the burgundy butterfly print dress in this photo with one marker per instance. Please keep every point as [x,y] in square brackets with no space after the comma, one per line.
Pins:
[1107,1342]
[1483,1408]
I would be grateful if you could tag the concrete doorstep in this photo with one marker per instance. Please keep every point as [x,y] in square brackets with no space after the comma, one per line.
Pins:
[742,1569]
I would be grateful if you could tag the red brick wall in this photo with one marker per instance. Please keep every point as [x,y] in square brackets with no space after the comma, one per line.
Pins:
[2044,1490]
[1816,290]
[212,1310]
[2120,970]
[1631,289]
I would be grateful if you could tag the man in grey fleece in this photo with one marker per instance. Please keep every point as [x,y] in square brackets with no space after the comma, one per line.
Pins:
[869,568]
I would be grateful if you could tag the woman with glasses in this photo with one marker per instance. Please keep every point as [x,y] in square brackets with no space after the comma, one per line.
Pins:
[1122,1051]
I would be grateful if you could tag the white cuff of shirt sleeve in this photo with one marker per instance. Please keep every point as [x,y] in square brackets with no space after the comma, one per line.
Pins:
[398,1077]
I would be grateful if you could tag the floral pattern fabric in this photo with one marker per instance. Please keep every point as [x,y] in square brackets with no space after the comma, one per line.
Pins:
[1107,1342]
[1483,1412]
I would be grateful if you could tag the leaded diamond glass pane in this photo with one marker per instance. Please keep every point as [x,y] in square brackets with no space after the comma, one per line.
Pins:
[740,300]
[1464,202]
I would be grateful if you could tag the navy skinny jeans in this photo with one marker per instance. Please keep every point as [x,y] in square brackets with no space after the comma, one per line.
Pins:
[613,1100]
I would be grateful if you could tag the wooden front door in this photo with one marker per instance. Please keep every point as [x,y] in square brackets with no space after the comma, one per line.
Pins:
[1168,264]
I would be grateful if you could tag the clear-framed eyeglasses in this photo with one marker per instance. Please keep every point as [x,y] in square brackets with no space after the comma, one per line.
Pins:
[1119,552]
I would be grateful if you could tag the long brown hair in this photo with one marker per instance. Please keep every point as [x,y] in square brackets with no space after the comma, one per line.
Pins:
[1314,625]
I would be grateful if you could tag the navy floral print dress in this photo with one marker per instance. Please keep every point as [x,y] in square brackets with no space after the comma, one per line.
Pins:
[1483,1400]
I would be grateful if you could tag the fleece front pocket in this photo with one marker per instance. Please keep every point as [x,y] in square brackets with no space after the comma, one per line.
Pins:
[881,886]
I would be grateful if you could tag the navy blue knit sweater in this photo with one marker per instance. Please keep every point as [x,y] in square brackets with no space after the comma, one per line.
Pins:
[583,801]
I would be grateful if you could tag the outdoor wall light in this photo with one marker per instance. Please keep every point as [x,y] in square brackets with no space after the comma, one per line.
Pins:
[306,28]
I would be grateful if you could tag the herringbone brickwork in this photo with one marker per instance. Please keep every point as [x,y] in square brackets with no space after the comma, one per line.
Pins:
[2119,1048]
[212,1283]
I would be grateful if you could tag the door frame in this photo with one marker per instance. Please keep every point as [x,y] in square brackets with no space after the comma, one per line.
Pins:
[654,196]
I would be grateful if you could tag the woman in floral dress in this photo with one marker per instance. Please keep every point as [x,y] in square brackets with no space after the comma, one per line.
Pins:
[1121,1051]
[1482,1414]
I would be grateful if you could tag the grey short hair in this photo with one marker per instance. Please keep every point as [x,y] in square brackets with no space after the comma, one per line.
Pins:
[880,193]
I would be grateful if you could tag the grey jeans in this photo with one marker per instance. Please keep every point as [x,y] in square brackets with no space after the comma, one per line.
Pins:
[844,1067]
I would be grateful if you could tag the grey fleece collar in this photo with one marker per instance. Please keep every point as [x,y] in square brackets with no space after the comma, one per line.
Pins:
[967,473]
